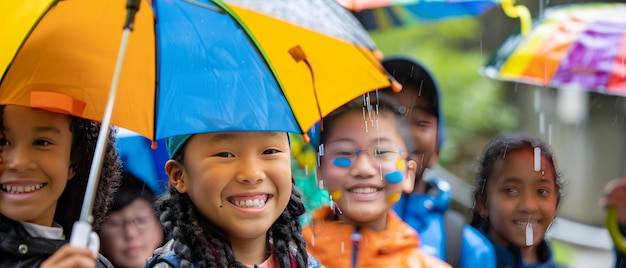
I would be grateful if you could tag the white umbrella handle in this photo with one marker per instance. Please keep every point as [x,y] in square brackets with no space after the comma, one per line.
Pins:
[81,231]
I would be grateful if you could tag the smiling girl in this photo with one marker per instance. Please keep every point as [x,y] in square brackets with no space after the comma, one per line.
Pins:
[518,191]
[231,203]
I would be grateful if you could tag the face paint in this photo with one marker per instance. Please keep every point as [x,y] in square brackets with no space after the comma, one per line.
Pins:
[393,198]
[342,162]
[394,177]
[336,195]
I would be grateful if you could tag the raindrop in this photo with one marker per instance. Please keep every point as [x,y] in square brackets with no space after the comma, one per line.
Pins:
[550,134]
[537,100]
[343,248]
[419,93]
[306,170]
[506,148]
[542,122]
[537,158]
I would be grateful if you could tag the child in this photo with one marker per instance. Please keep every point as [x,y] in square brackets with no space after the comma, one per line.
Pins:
[131,231]
[615,196]
[46,158]
[364,166]
[231,203]
[426,208]
[518,190]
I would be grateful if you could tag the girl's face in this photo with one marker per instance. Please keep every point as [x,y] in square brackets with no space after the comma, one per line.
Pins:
[518,195]
[240,181]
[357,180]
[36,163]
[129,235]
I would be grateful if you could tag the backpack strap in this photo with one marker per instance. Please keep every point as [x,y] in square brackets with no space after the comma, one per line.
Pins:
[453,223]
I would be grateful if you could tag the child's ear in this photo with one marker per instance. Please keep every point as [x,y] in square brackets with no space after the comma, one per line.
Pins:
[71,173]
[175,171]
[481,206]
[409,180]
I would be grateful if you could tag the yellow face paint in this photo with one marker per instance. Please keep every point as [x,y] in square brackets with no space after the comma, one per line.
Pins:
[400,164]
[336,195]
[393,198]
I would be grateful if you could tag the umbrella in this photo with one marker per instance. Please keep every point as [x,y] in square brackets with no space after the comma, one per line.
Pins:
[201,65]
[577,46]
[580,46]
[139,159]
[306,66]
[382,14]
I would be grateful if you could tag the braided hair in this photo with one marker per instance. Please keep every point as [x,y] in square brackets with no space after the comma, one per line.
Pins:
[83,147]
[209,247]
[496,149]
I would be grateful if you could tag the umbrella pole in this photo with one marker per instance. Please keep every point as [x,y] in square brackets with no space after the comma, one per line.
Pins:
[82,235]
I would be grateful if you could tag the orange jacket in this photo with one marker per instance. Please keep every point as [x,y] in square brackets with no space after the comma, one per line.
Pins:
[329,241]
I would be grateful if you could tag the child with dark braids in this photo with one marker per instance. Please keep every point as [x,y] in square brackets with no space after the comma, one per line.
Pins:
[517,194]
[231,202]
[45,165]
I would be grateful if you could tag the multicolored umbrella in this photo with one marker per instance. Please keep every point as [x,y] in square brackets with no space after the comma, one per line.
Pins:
[576,46]
[383,14]
[139,159]
[190,66]
[277,57]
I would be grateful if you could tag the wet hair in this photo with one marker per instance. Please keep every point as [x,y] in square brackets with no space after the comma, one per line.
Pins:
[380,103]
[85,134]
[131,188]
[209,246]
[496,149]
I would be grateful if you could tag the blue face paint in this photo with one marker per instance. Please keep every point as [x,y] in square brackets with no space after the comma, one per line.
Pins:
[342,162]
[394,177]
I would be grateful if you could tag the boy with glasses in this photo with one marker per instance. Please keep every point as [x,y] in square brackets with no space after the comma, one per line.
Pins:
[131,231]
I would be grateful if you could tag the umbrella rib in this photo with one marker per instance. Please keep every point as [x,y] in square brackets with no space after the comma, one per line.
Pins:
[205,6]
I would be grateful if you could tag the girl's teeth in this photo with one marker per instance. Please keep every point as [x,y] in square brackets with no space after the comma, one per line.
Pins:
[256,203]
[363,190]
[18,189]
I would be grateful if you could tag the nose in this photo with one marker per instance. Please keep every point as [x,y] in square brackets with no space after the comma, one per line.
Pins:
[251,171]
[16,158]
[130,229]
[364,166]
[528,202]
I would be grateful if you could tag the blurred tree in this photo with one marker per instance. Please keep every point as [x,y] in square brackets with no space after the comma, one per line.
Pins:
[474,107]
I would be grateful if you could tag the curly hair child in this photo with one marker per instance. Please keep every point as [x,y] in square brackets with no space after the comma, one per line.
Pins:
[46,160]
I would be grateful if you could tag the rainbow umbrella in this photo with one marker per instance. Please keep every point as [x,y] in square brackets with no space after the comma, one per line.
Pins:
[576,46]
[383,14]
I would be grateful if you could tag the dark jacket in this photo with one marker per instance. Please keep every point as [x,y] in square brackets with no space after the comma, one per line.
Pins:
[175,254]
[19,249]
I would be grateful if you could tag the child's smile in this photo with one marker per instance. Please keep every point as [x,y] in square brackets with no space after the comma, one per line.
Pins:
[36,148]
[21,188]
[250,201]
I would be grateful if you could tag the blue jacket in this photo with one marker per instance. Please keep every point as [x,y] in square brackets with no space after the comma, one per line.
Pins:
[510,257]
[425,213]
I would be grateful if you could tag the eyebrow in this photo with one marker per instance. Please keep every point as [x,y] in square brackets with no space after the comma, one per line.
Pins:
[541,180]
[39,129]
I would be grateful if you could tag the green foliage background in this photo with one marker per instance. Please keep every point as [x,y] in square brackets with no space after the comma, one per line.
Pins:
[474,107]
